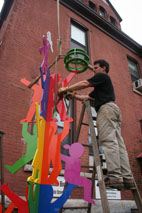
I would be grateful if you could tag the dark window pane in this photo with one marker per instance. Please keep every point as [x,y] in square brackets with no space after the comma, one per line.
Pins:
[133,68]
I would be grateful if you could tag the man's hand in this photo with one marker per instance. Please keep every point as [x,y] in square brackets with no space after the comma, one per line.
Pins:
[62,90]
[70,95]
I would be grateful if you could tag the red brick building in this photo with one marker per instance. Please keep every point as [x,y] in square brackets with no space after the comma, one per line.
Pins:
[91,25]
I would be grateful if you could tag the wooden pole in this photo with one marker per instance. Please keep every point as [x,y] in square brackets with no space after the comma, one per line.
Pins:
[2,171]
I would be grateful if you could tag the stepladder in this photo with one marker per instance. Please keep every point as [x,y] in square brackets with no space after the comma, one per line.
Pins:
[97,162]
[97,171]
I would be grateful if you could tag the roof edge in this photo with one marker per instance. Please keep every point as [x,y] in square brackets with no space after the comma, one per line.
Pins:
[114,10]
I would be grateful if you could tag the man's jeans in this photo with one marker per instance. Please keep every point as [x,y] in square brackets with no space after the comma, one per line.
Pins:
[111,141]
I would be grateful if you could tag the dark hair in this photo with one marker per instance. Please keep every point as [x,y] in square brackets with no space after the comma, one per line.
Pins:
[102,63]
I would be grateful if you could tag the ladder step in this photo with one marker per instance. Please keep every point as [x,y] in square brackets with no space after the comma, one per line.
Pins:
[87,145]
[85,124]
[89,167]
[75,207]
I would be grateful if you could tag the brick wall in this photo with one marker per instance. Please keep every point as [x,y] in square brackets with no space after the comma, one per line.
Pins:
[20,58]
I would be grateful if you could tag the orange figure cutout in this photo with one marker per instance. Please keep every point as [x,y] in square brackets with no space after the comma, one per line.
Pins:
[37,160]
[10,208]
[51,152]
[36,98]
[21,204]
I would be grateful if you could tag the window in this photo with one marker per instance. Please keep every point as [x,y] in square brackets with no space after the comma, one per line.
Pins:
[141,125]
[92,5]
[5,11]
[103,12]
[113,21]
[134,69]
[78,37]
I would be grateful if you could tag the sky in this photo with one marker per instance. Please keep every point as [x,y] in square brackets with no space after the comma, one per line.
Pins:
[131,13]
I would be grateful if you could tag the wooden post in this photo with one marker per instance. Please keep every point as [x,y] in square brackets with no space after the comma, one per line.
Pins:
[2,171]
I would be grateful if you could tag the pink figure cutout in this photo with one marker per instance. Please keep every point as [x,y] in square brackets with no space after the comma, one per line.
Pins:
[22,205]
[44,49]
[36,98]
[73,168]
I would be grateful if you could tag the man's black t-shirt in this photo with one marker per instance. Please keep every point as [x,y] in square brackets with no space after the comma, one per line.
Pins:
[103,89]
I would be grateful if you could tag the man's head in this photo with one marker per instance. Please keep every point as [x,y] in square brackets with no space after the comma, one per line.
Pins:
[101,66]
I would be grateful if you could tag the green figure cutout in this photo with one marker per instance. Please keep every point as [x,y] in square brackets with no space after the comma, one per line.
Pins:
[33,197]
[31,141]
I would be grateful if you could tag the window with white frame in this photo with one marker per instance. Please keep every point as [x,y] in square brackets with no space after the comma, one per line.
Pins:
[133,68]
[78,37]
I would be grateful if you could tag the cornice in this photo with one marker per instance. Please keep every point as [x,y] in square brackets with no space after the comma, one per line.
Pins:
[97,21]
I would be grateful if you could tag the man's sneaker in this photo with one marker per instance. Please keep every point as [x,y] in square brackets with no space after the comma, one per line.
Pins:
[129,185]
[114,184]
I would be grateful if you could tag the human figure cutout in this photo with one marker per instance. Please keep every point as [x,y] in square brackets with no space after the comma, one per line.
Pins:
[60,105]
[48,86]
[31,141]
[36,98]
[45,86]
[22,205]
[40,196]
[37,160]
[73,168]
[33,197]
[9,209]
[51,98]
[44,50]
[52,149]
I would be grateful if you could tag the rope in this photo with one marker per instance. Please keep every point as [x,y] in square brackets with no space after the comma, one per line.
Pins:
[58,22]
[56,69]
[59,49]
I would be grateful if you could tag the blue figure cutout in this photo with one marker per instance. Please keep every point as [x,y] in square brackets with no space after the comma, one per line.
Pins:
[45,86]
[46,195]
[31,141]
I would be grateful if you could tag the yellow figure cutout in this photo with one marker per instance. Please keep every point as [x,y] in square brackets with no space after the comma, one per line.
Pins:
[37,160]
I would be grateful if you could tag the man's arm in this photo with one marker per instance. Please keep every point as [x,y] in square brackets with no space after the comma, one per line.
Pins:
[77,86]
[82,97]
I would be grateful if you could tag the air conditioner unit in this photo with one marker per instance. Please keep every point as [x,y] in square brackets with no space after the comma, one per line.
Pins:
[137,85]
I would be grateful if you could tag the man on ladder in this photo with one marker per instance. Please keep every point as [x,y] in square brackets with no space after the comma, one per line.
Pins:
[119,174]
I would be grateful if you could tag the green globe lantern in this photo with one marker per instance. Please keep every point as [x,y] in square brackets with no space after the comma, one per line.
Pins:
[76,60]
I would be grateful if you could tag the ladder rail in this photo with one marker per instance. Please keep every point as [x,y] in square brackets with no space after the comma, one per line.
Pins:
[104,200]
[137,198]
[80,122]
